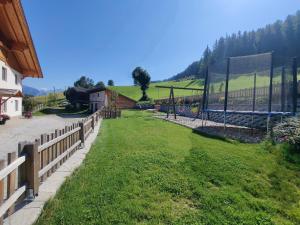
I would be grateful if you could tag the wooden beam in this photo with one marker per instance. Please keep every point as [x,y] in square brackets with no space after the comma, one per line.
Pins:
[18,46]
[181,88]
[2,2]
[30,73]
[12,45]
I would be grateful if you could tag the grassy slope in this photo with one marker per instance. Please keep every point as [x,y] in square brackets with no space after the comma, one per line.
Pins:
[235,84]
[147,171]
[134,92]
[43,99]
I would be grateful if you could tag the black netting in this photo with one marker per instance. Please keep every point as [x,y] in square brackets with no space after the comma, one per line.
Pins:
[249,85]
[216,82]
[286,90]
[249,82]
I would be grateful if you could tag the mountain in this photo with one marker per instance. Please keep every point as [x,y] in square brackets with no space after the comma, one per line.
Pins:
[282,37]
[191,71]
[31,91]
[38,92]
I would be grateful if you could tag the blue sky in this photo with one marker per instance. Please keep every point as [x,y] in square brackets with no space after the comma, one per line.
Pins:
[107,39]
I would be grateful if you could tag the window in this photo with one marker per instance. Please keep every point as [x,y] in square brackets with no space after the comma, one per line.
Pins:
[4,74]
[16,79]
[16,105]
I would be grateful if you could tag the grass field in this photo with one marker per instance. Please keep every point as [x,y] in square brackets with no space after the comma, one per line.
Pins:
[134,92]
[44,99]
[143,170]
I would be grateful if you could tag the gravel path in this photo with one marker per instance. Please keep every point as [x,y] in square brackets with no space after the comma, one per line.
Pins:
[19,129]
[244,134]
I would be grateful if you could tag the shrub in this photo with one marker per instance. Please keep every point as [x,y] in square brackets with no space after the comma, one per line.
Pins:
[288,132]
[29,103]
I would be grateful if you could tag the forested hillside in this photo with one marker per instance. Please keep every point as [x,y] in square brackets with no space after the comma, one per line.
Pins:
[282,37]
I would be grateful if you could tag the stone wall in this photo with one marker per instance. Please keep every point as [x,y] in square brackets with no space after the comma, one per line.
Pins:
[253,121]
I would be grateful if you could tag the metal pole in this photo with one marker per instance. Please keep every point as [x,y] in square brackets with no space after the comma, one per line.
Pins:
[173,101]
[271,85]
[270,92]
[253,101]
[226,91]
[204,94]
[254,94]
[283,89]
[295,91]
[169,102]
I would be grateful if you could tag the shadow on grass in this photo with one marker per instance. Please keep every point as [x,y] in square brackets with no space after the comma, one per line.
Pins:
[63,112]
[212,136]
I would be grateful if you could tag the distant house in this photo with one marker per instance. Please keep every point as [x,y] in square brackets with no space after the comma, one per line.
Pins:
[79,96]
[18,58]
[99,98]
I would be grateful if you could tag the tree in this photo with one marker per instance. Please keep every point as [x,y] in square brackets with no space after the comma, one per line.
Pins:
[29,103]
[142,78]
[70,95]
[110,83]
[100,84]
[84,82]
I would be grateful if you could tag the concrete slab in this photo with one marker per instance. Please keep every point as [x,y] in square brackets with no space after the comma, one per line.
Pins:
[30,212]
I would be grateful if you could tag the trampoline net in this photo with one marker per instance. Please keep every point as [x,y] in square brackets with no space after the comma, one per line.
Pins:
[249,82]
[249,85]
[216,82]
[282,88]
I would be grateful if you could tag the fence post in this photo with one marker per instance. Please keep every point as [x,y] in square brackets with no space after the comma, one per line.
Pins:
[2,165]
[32,165]
[93,122]
[81,133]
[11,180]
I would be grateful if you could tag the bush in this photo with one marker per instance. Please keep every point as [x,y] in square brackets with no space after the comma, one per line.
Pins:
[288,132]
[29,103]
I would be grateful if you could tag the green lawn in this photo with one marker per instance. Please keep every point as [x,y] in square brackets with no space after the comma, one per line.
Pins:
[143,170]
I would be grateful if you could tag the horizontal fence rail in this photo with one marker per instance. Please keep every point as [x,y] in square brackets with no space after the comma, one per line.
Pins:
[36,161]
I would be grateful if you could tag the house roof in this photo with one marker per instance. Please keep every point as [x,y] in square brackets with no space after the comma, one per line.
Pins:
[10,93]
[16,41]
[98,89]
[123,95]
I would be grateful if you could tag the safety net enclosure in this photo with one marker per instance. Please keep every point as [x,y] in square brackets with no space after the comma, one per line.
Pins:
[250,84]
[283,88]
[215,86]
[250,90]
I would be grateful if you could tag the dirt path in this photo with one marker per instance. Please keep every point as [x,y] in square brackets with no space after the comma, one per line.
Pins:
[20,129]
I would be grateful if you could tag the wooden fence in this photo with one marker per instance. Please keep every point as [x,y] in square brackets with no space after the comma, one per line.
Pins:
[110,113]
[36,161]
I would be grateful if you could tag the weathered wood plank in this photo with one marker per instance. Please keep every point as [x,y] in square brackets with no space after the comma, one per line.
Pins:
[12,200]
[49,166]
[11,180]
[2,165]
[55,140]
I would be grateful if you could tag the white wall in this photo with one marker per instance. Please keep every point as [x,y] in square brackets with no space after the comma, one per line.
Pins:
[98,100]
[11,84]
